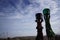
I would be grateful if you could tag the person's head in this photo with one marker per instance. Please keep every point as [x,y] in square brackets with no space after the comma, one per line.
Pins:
[38,15]
[46,11]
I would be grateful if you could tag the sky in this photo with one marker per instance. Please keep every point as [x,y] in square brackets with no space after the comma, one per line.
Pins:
[17,17]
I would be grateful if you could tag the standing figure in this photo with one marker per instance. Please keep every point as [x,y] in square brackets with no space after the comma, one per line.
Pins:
[39,26]
[49,31]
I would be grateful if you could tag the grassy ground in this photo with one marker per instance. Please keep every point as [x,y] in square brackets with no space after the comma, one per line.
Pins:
[28,38]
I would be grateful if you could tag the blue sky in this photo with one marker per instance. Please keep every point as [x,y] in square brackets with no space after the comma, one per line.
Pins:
[17,17]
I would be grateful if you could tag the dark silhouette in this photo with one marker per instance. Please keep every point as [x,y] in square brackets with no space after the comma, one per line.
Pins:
[49,31]
[39,26]
[8,38]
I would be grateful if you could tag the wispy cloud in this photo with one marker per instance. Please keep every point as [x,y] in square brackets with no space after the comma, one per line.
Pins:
[23,8]
[19,15]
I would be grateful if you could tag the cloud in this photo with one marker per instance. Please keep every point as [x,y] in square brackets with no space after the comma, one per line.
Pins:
[20,16]
[29,8]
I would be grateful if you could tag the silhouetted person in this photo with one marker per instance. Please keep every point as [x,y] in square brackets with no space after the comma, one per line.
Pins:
[39,26]
[49,30]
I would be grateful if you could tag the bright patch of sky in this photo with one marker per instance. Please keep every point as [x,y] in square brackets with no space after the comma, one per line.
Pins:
[17,17]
